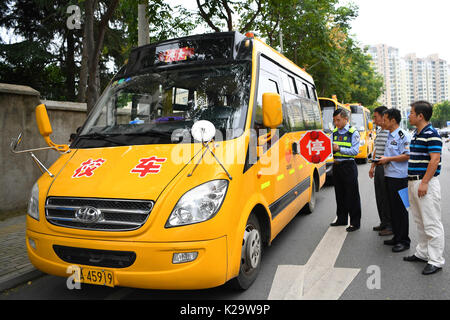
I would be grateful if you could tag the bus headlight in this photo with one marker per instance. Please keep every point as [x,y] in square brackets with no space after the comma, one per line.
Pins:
[33,203]
[198,204]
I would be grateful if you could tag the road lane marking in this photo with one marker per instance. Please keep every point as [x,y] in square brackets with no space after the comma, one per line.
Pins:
[318,279]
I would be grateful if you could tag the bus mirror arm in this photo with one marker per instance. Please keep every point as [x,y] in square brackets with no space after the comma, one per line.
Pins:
[206,148]
[204,131]
[13,147]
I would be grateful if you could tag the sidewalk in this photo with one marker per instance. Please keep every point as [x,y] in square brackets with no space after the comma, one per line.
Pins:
[15,268]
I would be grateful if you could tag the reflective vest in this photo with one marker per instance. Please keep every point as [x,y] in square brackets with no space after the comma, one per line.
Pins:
[343,140]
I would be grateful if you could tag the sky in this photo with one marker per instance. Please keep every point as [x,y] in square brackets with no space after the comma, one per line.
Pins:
[412,26]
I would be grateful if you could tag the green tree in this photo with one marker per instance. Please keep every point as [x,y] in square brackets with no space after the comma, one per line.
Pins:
[315,35]
[441,114]
[41,26]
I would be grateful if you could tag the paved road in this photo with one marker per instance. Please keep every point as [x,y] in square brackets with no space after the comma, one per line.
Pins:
[363,250]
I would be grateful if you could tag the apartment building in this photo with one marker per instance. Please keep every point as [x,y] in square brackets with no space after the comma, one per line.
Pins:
[387,63]
[427,78]
[410,78]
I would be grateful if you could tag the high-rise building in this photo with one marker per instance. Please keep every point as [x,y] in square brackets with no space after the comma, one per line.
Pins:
[410,78]
[428,78]
[387,64]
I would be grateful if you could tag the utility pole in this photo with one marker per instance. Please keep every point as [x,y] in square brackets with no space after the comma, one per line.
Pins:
[281,40]
[143,26]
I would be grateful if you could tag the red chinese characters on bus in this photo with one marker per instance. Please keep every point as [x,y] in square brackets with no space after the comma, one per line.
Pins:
[151,165]
[87,168]
[172,55]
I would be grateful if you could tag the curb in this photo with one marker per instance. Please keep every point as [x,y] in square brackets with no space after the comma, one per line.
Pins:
[20,279]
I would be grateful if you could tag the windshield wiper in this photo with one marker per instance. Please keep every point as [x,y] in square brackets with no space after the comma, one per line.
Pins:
[102,136]
[149,132]
[155,133]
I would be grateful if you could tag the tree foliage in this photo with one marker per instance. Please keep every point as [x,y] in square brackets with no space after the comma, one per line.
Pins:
[441,114]
[315,35]
[40,26]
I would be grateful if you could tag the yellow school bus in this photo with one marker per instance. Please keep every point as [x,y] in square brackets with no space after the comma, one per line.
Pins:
[328,106]
[361,120]
[185,169]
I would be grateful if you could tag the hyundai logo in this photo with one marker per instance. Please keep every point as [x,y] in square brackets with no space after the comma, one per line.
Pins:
[88,215]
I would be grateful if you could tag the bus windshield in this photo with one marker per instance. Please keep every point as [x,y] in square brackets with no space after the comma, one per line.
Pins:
[327,115]
[357,121]
[150,108]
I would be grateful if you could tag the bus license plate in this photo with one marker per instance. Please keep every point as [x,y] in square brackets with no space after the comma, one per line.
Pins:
[96,276]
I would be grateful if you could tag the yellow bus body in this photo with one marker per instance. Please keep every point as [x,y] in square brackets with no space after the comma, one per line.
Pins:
[218,241]
[367,135]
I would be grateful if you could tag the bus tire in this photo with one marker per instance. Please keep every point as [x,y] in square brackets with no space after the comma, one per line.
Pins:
[311,205]
[251,254]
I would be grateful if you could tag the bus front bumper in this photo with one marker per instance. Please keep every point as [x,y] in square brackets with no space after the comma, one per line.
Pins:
[153,267]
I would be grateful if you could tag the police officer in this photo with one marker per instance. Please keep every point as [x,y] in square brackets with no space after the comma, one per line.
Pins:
[345,172]
[395,161]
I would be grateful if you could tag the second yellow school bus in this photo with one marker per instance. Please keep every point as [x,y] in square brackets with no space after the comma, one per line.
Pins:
[135,201]
[361,120]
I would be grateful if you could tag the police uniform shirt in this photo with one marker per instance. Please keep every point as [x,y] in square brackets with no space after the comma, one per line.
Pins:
[397,144]
[354,149]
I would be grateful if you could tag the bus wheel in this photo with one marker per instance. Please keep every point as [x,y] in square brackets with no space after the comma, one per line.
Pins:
[250,255]
[309,207]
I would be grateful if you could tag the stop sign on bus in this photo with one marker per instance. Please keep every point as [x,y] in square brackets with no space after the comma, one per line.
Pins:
[315,146]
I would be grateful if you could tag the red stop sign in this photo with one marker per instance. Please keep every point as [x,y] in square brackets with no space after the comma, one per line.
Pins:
[315,146]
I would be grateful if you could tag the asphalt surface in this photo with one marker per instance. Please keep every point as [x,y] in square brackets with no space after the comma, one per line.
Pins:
[363,249]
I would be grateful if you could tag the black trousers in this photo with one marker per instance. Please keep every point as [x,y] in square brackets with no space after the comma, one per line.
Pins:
[399,214]
[346,189]
[382,198]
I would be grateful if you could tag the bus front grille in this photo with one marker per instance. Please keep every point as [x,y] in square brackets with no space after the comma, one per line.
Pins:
[97,214]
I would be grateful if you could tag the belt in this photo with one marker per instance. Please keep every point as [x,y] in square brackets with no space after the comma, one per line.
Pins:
[412,178]
[344,162]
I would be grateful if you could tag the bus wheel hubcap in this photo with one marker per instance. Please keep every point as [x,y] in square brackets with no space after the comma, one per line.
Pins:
[253,248]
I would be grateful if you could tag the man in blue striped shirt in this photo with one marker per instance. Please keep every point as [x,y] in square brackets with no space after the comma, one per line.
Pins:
[424,190]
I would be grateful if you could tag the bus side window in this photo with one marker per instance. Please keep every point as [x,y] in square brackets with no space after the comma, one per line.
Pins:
[311,110]
[312,93]
[302,90]
[294,116]
[288,83]
[265,85]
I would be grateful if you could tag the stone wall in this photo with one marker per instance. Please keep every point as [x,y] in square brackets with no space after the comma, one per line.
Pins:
[18,172]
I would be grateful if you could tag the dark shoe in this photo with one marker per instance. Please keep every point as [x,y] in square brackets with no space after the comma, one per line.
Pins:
[400,247]
[413,258]
[378,228]
[430,269]
[352,228]
[385,232]
[390,242]
[335,224]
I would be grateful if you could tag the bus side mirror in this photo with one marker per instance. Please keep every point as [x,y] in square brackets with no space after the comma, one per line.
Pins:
[272,110]
[370,125]
[45,128]
[43,122]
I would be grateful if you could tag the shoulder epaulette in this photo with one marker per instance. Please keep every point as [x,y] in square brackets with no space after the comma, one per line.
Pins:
[401,134]
[351,130]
